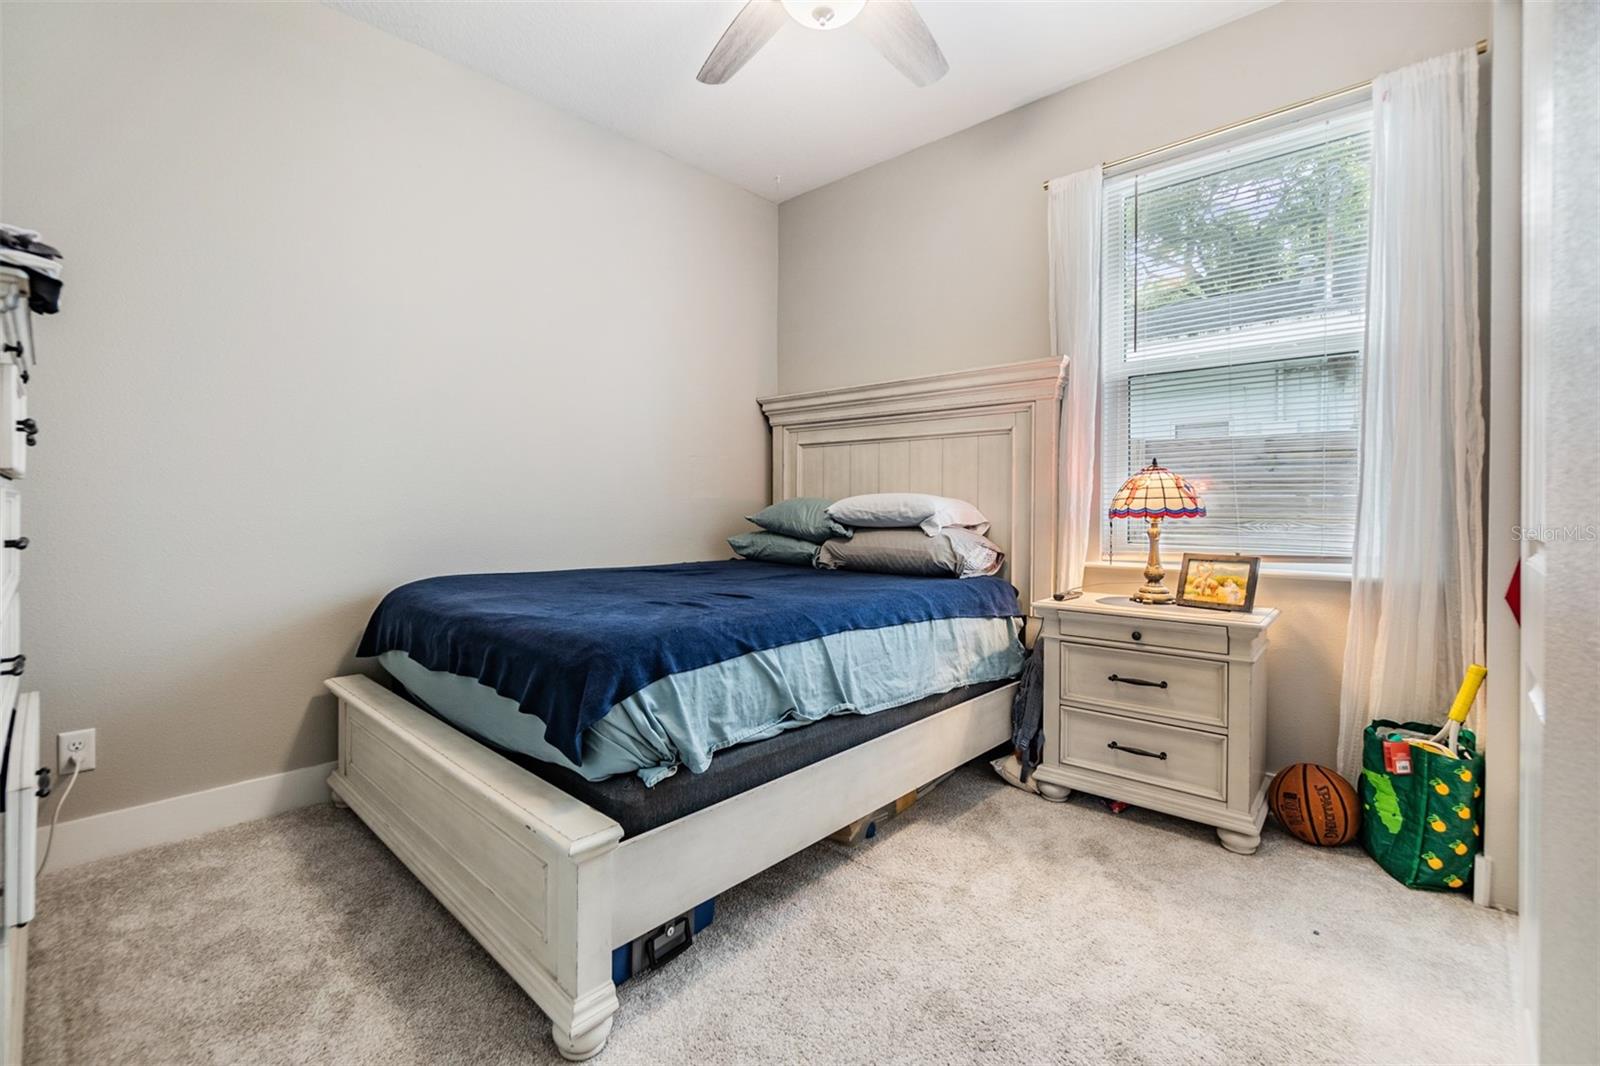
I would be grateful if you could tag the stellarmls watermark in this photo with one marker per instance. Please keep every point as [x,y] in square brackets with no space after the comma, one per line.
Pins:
[1551,534]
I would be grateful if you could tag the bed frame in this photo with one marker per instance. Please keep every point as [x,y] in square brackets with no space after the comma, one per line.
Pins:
[546,883]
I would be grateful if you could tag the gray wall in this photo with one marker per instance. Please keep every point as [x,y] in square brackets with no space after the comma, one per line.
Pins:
[936,260]
[340,314]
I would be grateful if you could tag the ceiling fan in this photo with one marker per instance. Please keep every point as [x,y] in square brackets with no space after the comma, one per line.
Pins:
[893,27]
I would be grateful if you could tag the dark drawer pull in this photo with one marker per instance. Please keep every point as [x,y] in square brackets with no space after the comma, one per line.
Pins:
[19,664]
[21,544]
[30,429]
[1114,746]
[1136,681]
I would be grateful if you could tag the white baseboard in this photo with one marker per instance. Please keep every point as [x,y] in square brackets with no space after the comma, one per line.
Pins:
[101,836]
[1482,880]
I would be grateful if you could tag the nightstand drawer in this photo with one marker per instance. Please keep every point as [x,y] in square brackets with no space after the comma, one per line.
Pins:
[1180,636]
[1140,682]
[1185,760]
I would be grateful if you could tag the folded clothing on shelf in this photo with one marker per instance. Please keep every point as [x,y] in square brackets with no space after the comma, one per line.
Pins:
[23,249]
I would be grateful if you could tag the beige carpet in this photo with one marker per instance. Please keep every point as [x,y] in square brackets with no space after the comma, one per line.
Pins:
[984,925]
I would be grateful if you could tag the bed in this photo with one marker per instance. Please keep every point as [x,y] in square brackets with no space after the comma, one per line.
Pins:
[551,872]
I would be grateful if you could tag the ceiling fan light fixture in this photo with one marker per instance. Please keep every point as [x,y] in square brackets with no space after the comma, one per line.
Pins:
[893,27]
[823,14]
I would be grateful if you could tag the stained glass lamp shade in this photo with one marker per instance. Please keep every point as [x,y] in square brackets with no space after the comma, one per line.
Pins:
[1155,493]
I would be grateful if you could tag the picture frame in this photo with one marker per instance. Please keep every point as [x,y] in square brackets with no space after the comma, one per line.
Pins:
[1216,582]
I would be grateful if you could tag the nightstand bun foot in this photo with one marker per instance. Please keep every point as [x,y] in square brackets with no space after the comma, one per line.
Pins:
[1053,793]
[583,1046]
[1239,843]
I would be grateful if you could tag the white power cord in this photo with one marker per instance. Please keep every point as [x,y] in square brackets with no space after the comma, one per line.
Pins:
[72,760]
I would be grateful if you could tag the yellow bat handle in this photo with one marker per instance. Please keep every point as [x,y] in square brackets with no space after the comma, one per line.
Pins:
[1467,692]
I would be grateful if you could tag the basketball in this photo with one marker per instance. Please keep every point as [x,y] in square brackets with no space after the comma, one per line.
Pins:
[1315,804]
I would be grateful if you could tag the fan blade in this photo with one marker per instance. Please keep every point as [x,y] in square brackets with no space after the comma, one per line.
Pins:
[896,30]
[751,28]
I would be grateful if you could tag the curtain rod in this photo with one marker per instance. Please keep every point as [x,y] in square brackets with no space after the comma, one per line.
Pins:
[1483,48]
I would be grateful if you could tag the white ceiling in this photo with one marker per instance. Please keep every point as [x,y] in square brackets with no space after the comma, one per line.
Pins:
[810,107]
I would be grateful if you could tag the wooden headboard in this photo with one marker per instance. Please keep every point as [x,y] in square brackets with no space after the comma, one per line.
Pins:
[988,436]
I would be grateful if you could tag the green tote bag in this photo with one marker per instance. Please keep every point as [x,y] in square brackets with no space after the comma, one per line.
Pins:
[1422,827]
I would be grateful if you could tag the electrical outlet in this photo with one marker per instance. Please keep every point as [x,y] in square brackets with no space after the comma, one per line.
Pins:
[79,742]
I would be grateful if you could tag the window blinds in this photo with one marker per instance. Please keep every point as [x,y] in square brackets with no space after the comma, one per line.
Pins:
[1234,300]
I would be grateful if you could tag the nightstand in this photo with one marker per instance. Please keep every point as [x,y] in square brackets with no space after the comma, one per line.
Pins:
[1162,707]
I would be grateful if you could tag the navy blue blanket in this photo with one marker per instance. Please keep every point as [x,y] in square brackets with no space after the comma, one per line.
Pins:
[567,645]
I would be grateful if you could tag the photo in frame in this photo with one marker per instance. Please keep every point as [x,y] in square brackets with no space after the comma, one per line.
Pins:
[1219,582]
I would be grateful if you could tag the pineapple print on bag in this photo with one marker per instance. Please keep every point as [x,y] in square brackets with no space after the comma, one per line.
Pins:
[1458,846]
[1453,881]
[1433,861]
[1436,823]
[1464,774]
[1440,787]
[1463,811]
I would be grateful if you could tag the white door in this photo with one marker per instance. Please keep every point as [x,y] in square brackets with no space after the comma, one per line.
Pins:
[1560,538]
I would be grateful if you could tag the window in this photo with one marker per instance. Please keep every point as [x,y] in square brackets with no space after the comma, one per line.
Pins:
[1233,306]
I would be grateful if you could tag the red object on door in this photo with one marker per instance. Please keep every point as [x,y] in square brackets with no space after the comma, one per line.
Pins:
[1514,594]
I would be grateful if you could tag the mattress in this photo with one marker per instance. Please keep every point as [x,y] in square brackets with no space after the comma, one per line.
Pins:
[639,809]
[685,719]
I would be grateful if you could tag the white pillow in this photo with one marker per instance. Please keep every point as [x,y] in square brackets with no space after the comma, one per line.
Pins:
[895,510]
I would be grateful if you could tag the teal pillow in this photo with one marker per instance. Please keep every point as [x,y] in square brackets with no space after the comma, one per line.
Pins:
[804,518]
[773,548]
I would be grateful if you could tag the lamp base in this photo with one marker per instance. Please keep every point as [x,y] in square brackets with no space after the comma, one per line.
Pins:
[1153,591]
[1156,593]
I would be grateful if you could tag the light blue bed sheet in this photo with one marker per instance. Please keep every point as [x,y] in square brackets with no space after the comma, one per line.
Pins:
[686,718]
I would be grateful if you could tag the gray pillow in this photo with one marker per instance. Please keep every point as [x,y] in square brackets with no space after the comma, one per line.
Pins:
[951,553]
[804,518]
[772,548]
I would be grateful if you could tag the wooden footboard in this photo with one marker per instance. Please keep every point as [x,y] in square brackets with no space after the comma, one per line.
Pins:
[547,885]
[527,869]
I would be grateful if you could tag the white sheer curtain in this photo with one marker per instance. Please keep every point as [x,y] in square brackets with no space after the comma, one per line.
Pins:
[1074,227]
[1416,602]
